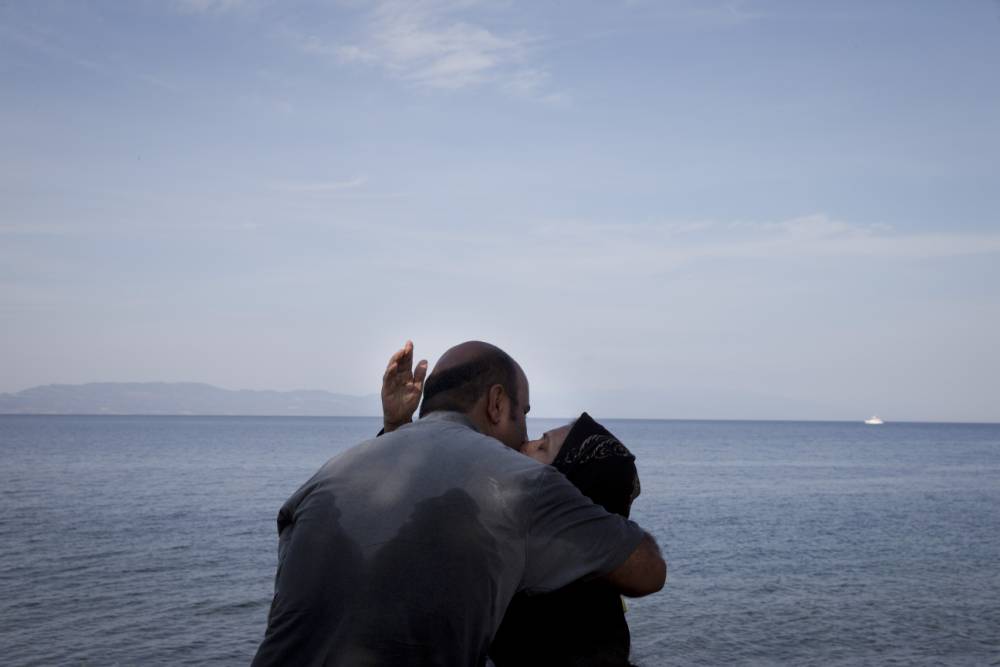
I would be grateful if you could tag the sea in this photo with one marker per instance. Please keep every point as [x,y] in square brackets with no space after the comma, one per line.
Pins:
[152,540]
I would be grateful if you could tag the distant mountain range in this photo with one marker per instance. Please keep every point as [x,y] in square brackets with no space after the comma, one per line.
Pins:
[182,398]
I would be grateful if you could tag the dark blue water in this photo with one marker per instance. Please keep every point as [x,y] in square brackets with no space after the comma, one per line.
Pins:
[151,540]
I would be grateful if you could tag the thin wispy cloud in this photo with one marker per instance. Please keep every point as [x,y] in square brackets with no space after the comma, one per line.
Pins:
[53,47]
[815,235]
[702,12]
[821,236]
[353,188]
[34,229]
[211,6]
[729,12]
[438,44]
[585,249]
[321,187]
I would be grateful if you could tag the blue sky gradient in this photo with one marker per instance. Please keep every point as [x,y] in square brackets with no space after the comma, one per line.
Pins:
[662,209]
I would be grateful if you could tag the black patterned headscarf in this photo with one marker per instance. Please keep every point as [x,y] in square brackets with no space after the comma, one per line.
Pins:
[598,464]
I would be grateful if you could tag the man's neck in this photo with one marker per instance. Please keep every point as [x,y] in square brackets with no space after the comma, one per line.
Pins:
[453,416]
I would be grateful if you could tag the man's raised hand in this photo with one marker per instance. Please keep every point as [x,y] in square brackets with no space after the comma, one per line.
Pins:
[401,388]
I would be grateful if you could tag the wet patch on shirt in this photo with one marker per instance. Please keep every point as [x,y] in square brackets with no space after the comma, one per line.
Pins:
[435,578]
[319,581]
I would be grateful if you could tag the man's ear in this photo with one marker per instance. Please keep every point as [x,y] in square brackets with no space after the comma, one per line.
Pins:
[496,400]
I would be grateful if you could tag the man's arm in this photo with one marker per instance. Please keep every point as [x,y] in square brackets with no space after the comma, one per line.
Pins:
[570,537]
[644,571]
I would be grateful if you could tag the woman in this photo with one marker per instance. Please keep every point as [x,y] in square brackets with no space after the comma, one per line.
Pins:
[583,623]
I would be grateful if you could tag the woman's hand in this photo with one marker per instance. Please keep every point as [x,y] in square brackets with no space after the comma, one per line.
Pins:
[401,388]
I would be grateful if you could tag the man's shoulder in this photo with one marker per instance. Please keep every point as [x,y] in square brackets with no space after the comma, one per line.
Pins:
[453,435]
[444,426]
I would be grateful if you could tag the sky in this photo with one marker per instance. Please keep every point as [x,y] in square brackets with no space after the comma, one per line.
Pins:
[671,209]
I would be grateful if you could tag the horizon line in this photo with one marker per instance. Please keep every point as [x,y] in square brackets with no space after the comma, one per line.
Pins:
[637,419]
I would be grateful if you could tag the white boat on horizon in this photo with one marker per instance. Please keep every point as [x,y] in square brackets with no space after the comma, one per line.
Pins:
[875,419]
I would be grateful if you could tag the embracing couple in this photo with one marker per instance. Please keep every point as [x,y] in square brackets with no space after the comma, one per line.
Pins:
[455,540]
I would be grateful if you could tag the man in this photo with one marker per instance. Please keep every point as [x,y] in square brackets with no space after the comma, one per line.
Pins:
[407,549]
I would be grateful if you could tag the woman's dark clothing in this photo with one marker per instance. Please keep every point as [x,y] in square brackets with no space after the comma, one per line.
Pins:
[582,624]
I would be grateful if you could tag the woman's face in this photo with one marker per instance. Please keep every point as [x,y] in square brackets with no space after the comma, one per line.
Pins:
[546,448]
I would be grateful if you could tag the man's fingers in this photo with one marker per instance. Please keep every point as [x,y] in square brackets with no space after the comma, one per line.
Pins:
[396,360]
[420,374]
[390,370]
[405,367]
[406,356]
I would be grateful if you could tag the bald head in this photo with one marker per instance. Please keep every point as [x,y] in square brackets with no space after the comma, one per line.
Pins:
[468,352]
[464,375]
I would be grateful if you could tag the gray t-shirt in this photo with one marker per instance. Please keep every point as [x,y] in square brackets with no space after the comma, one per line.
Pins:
[407,549]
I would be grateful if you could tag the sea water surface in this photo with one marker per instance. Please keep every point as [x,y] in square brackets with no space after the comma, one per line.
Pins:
[152,540]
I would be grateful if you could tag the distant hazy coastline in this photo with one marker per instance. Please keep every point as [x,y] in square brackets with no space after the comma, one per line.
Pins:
[182,398]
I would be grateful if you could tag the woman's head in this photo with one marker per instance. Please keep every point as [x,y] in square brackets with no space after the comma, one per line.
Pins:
[546,448]
[593,459]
